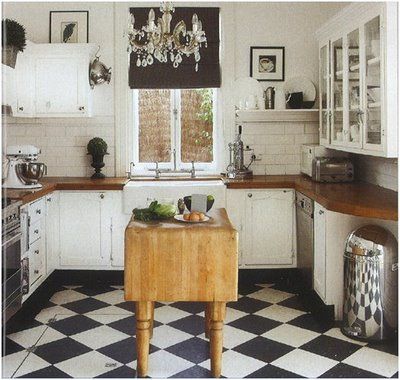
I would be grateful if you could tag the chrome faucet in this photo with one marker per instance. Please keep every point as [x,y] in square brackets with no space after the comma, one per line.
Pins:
[174,156]
[158,171]
[193,171]
[129,174]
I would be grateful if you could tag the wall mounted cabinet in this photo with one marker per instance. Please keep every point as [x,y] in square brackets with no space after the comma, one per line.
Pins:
[53,81]
[358,80]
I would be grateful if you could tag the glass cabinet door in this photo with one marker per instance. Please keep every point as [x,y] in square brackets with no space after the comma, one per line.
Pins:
[372,86]
[337,135]
[354,114]
[323,96]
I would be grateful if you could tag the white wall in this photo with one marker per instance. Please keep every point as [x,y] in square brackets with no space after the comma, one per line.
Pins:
[63,140]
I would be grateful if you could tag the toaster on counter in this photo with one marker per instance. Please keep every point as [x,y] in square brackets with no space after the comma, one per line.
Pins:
[332,169]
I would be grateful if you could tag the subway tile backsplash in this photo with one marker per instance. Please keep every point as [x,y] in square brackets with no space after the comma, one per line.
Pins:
[277,145]
[63,142]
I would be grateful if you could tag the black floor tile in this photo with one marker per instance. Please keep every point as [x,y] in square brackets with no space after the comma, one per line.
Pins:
[294,303]
[248,305]
[195,350]
[85,306]
[50,372]
[344,371]
[272,372]
[263,349]
[255,324]
[119,373]
[195,372]
[193,324]
[123,351]
[74,325]
[60,350]
[307,321]
[21,324]
[390,347]
[10,347]
[127,305]
[332,348]
[126,325]
[94,290]
[245,289]
[190,307]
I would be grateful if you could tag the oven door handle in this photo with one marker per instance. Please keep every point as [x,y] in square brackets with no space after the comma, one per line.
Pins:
[12,240]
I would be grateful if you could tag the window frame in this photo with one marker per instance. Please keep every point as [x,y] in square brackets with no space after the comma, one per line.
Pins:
[175,120]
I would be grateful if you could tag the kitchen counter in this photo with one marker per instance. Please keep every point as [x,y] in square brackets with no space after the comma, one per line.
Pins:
[357,198]
[66,183]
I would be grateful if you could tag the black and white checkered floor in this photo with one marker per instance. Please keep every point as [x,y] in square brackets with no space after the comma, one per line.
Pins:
[89,332]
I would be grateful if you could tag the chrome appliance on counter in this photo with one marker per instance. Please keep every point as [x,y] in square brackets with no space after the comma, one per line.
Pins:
[236,167]
[332,169]
[11,257]
[23,172]
[305,238]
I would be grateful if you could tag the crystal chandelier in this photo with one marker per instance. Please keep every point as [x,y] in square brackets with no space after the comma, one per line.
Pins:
[156,40]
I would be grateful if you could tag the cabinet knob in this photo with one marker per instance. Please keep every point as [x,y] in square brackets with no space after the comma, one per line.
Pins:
[249,195]
[321,212]
[101,196]
[81,108]
[38,211]
[48,199]
[36,231]
[20,108]
[37,251]
[36,271]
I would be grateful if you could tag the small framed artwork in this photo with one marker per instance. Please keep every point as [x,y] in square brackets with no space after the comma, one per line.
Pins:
[267,63]
[69,27]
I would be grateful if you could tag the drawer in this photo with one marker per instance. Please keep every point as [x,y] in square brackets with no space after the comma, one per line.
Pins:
[36,261]
[36,210]
[35,231]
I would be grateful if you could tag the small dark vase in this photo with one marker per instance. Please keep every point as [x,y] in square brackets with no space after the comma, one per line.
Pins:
[97,164]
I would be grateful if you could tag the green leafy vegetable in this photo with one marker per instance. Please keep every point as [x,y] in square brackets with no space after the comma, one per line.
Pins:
[155,211]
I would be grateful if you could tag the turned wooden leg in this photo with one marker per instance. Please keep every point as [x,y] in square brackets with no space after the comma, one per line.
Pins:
[207,320]
[217,315]
[143,325]
[152,320]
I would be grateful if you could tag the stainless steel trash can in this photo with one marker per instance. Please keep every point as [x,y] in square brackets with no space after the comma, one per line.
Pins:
[370,284]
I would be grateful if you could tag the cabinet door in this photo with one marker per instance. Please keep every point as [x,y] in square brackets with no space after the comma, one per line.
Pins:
[23,106]
[372,86]
[269,232]
[320,251]
[59,86]
[337,135]
[324,96]
[85,229]
[235,201]
[52,232]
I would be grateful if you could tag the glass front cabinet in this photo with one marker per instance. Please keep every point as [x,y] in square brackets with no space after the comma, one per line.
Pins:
[358,80]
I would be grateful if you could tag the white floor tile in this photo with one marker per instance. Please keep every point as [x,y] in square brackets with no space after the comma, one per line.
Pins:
[113,297]
[109,310]
[231,314]
[88,365]
[50,335]
[336,333]
[51,312]
[27,338]
[66,296]
[165,336]
[105,319]
[10,363]
[279,313]
[167,314]
[233,337]
[99,337]
[291,335]
[162,364]
[304,363]
[31,363]
[270,295]
[235,365]
[375,361]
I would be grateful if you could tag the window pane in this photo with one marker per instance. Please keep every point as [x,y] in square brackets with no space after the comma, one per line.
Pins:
[154,125]
[196,125]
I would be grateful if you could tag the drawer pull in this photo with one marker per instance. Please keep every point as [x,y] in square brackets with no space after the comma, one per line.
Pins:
[36,271]
[102,196]
[249,195]
[38,211]
[321,212]
[36,231]
[81,108]
[37,251]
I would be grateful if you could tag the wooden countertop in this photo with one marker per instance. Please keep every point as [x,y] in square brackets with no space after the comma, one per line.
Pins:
[357,198]
[65,183]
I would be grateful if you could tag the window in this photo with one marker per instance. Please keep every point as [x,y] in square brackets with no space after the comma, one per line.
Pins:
[175,127]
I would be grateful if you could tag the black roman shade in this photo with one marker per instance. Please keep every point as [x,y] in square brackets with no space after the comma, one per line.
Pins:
[164,75]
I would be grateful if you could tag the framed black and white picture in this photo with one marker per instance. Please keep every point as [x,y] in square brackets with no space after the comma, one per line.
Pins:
[69,27]
[267,63]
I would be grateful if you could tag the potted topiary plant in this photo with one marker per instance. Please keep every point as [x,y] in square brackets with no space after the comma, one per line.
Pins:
[97,148]
[13,41]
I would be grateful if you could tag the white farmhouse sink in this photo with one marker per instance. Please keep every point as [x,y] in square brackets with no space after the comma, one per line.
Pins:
[142,193]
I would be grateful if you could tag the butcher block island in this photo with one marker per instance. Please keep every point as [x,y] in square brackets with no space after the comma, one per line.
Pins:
[174,261]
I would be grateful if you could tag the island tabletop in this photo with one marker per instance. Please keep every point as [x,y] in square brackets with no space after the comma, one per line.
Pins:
[174,261]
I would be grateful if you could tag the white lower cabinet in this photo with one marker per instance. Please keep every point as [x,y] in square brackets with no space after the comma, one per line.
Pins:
[52,231]
[85,229]
[320,251]
[265,220]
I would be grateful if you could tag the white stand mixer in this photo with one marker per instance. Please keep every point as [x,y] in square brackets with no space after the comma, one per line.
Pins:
[22,171]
